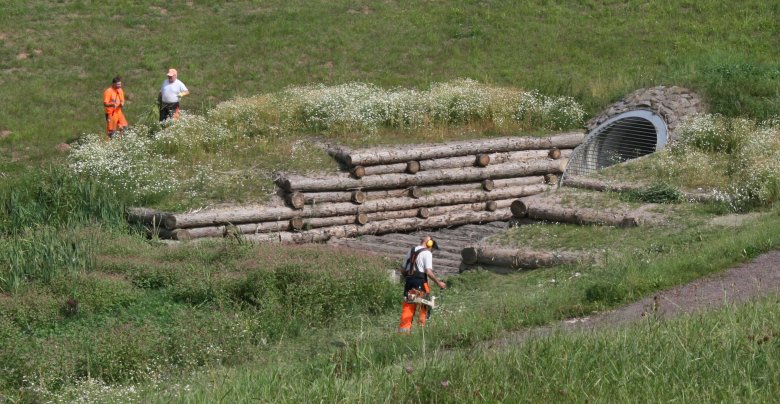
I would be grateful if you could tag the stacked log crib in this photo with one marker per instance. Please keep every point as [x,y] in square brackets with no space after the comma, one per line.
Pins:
[388,190]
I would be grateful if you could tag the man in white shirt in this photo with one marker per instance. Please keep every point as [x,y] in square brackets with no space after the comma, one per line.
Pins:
[170,94]
[418,268]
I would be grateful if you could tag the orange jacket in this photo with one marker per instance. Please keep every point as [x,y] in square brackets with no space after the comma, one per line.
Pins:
[113,99]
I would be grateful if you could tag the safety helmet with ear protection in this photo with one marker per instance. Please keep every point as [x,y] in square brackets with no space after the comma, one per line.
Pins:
[431,244]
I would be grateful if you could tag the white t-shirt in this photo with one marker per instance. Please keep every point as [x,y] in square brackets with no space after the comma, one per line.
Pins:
[170,91]
[424,259]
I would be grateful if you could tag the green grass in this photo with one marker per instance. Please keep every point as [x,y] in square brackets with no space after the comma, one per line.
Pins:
[262,312]
[58,57]
[90,309]
[729,355]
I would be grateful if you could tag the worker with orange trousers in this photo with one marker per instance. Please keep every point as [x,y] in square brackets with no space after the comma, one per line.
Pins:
[418,268]
[114,101]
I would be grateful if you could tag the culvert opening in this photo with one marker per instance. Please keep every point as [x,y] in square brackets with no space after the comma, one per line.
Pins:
[623,137]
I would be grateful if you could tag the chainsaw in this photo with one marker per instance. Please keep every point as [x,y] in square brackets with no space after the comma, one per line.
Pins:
[419,297]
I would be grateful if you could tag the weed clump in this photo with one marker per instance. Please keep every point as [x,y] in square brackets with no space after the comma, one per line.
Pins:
[657,193]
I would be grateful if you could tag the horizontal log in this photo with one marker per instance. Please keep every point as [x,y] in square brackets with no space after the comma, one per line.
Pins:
[291,182]
[474,207]
[146,216]
[517,259]
[402,154]
[299,199]
[399,214]
[410,167]
[479,160]
[392,193]
[598,185]
[506,157]
[539,209]
[313,223]
[517,182]
[417,192]
[615,186]
[264,214]
[177,234]
[383,227]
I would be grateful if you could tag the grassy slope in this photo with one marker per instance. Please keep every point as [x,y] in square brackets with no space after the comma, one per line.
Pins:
[56,58]
[596,51]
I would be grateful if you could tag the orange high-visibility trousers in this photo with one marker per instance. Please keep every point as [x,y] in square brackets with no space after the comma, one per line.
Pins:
[113,101]
[407,313]
[115,120]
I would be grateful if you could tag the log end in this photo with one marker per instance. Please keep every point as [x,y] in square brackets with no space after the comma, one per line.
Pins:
[284,183]
[629,221]
[554,154]
[361,218]
[413,167]
[482,160]
[169,222]
[358,171]
[181,235]
[358,197]
[491,206]
[562,165]
[519,209]
[488,185]
[296,200]
[550,179]
[296,223]
[415,192]
[423,213]
[469,255]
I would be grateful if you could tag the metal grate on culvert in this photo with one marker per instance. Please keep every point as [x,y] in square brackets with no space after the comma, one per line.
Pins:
[621,138]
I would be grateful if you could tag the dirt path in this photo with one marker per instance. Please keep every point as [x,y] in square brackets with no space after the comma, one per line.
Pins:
[760,277]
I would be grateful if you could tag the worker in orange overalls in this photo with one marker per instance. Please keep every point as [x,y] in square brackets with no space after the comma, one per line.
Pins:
[114,101]
[418,268]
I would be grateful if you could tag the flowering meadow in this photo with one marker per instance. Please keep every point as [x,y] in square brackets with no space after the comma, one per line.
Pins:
[203,158]
[736,158]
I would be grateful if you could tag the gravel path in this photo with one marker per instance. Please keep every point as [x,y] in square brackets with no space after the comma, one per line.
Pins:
[755,279]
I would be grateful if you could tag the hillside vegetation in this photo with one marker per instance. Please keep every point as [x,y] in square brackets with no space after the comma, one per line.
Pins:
[90,310]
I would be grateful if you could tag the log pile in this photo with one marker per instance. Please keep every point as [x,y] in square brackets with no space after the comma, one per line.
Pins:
[388,190]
